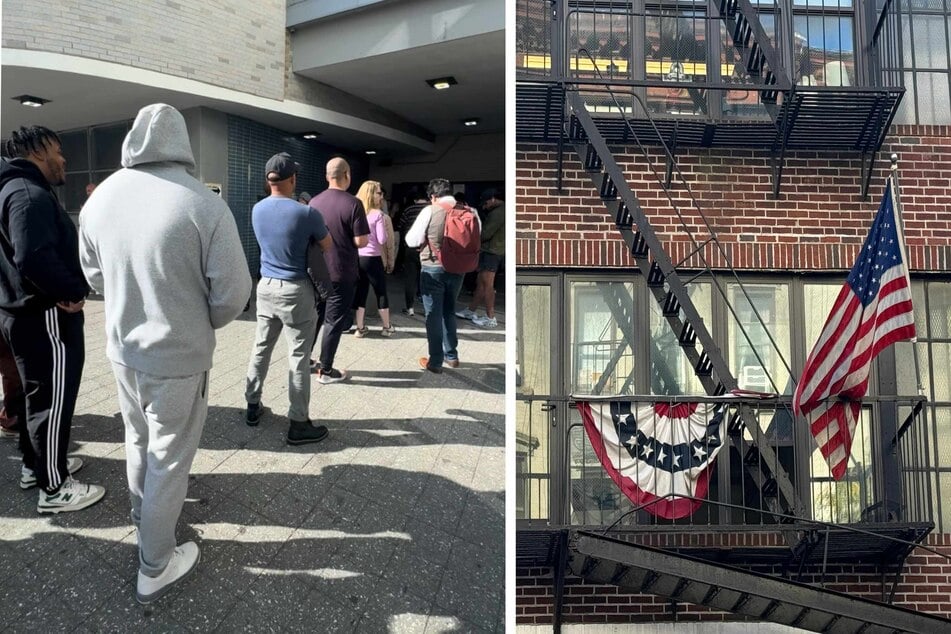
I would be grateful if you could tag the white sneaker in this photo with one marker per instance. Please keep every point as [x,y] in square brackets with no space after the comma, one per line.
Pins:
[72,496]
[485,322]
[184,560]
[465,313]
[28,478]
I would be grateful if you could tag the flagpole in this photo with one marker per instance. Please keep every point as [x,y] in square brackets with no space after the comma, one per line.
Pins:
[901,228]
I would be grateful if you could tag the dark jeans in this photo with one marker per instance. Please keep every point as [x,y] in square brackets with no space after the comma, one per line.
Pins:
[440,290]
[411,266]
[335,313]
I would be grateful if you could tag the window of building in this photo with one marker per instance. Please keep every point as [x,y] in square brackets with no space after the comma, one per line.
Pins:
[925,26]
[533,378]
[612,325]
[92,154]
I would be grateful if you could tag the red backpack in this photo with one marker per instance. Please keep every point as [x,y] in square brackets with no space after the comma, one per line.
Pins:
[461,240]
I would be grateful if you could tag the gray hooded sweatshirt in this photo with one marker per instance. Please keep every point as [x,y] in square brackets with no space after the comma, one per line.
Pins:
[164,251]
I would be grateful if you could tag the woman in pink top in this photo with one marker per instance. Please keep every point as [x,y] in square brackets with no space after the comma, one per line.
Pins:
[372,269]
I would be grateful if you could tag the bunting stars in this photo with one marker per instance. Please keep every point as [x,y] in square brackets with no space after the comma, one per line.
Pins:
[699,453]
[646,451]
[661,456]
[676,459]
[631,442]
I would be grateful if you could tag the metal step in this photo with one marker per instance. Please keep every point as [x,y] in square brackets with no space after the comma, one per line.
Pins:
[603,560]
[759,58]
[680,313]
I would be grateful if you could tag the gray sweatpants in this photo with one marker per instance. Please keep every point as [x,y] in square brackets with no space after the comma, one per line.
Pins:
[286,305]
[163,418]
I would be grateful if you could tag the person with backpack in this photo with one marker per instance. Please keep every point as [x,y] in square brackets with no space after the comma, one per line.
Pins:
[448,234]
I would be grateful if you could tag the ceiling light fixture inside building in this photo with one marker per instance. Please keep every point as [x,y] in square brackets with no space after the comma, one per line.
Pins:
[441,83]
[470,122]
[371,152]
[309,135]
[33,102]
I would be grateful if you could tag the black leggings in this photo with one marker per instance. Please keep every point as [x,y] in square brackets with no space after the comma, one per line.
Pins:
[371,273]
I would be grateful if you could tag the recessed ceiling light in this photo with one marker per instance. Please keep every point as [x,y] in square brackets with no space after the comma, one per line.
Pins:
[441,83]
[310,135]
[471,121]
[33,102]
[371,152]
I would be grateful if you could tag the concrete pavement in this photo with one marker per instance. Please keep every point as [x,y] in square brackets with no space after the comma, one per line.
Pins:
[395,523]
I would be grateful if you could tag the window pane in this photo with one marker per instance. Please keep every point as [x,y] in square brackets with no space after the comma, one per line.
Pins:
[533,340]
[602,347]
[675,50]
[772,303]
[905,367]
[941,370]
[741,103]
[532,451]
[943,423]
[605,37]
[823,50]
[934,105]
[944,494]
[75,150]
[107,146]
[533,35]
[939,307]
[671,371]
[593,496]
[844,500]
[930,41]
[906,110]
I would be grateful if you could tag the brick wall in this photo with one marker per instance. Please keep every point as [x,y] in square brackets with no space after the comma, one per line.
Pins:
[925,586]
[818,222]
[230,43]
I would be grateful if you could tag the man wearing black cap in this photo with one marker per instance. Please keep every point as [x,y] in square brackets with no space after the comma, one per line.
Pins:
[284,229]
[490,259]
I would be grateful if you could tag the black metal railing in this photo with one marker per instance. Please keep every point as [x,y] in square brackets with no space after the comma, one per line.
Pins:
[560,480]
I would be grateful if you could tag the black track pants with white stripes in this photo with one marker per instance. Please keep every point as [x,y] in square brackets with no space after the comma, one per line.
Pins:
[49,350]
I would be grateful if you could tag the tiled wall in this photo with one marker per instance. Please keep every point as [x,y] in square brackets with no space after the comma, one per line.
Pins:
[250,145]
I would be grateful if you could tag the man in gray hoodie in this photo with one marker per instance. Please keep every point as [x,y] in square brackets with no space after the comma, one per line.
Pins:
[171,270]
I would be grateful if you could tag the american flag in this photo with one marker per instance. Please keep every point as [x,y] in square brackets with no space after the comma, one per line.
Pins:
[872,311]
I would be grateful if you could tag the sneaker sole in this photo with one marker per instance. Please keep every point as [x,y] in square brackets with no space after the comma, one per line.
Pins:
[158,594]
[26,486]
[52,510]
[331,381]
[307,441]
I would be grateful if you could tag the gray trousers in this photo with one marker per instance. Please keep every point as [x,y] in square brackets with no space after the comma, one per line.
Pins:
[288,306]
[164,418]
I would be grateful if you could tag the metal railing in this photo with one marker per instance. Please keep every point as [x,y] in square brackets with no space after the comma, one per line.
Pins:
[561,481]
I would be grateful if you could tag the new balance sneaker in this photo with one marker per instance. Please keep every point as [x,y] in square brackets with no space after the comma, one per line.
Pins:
[465,313]
[72,496]
[332,376]
[302,432]
[184,560]
[409,312]
[485,322]
[253,416]
[28,477]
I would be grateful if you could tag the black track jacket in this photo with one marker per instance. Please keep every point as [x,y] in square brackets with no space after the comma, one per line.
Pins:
[39,246]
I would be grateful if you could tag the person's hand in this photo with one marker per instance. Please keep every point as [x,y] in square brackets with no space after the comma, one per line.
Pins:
[71,307]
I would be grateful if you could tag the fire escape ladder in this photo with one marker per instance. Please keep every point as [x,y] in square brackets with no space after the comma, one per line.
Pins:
[671,293]
[641,569]
[760,60]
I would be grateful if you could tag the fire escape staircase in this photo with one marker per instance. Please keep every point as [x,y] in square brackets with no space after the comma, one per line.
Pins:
[760,597]
[672,294]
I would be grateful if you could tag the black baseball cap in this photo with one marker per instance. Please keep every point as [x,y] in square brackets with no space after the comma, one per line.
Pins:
[281,164]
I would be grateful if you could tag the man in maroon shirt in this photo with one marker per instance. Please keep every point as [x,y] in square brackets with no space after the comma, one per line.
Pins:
[347,221]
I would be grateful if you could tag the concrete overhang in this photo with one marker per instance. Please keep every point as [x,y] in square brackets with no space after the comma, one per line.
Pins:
[383,52]
[84,92]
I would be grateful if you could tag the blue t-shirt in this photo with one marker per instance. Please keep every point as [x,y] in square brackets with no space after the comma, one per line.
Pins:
[284,229]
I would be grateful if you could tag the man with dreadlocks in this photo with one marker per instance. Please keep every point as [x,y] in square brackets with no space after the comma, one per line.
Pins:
[42,292]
